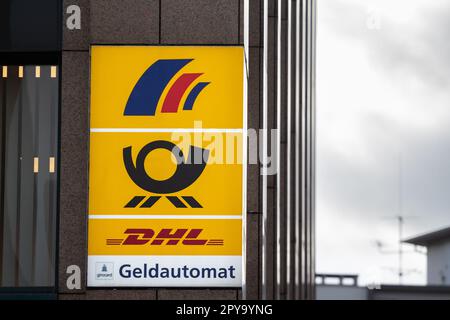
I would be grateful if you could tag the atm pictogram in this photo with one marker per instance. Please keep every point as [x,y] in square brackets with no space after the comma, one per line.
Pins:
[188,170]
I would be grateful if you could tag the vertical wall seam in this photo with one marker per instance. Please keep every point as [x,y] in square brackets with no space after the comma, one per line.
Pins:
[288,153]
[264,147]
[278,153]
[297,152]
[313,135]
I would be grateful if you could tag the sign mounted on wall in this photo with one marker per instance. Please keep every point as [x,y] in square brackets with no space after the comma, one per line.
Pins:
[166,180]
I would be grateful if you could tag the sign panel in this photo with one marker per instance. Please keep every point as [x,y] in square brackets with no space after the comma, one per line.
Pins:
[217,188]
[166,179]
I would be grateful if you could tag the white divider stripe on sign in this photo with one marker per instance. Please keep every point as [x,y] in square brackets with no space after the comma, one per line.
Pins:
[165,130]
[137,216]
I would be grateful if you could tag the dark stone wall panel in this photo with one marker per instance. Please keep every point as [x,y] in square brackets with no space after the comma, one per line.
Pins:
[73,164]
[77,39]
[255,21]
[254,98]
[124,22]
[112,294]
[197,294]
[273,8]
[253,276]
[200,22]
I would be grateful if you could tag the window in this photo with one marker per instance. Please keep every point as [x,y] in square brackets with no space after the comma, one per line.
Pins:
[28,174]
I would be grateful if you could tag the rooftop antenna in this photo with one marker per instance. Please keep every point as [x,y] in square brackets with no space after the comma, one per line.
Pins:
[401,221]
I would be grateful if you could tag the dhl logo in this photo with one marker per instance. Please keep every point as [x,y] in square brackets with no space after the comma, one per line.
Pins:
[170,237]
[147,92]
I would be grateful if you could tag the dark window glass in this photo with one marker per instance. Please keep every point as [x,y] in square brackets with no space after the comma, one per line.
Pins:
[28,180]
[30,25]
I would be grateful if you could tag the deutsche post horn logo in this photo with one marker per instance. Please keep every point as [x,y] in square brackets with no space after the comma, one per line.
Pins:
[146,93]
[186,173]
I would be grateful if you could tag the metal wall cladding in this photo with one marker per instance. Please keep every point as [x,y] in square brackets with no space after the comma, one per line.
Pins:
[288,106]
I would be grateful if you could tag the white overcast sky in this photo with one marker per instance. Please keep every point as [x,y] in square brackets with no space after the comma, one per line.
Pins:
[383,98]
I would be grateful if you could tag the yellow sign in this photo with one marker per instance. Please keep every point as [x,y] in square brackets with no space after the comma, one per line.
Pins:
[165,237]
[218,189]
[167,87]
[166,170]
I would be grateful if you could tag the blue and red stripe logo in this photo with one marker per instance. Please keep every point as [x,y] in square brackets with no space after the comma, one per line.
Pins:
[147,92]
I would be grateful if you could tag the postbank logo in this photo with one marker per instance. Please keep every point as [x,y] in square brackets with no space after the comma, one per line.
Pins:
[144,98]
[167,87]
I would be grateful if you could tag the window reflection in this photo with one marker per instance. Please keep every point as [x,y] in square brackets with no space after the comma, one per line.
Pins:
[28,184]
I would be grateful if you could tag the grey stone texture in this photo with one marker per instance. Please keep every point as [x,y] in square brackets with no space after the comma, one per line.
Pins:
[77,39]
[197,294]
[112,294]
[255,23]
[200,22]
[254,97]
[253,255]
[73,164]
[124,22]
